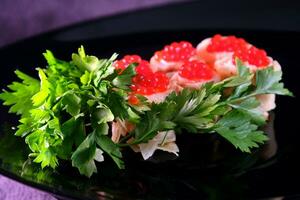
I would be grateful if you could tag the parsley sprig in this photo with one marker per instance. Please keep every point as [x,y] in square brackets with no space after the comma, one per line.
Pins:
[70,107]
[66,114]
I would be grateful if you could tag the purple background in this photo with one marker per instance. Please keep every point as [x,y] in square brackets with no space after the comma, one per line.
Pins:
[20,19]
[23,18]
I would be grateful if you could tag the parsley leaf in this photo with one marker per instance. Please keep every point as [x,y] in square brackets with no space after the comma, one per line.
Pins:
[84,156]
[108,146]
[237,129]
[39,98]
[71,103]
[267,82]
[20,97]
[124,79]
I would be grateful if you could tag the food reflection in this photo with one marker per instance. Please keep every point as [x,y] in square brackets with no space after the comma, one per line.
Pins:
[269,149]
[217,175]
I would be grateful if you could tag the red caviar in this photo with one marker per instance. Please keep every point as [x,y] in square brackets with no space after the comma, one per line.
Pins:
[142,68]
[132,99]
[253,56]
[150,83]
[145,82]
[176,51]
[226,44]
[196,71]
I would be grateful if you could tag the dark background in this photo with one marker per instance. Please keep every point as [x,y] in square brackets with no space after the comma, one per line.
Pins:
[24,18]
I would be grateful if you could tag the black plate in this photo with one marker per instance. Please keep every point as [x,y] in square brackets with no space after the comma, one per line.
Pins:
[208,167]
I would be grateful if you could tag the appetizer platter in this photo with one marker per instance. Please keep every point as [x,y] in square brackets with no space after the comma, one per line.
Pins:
[87,108]
[194,105]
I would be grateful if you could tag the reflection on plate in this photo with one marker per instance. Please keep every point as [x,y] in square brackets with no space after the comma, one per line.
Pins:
[204,159]
[208,167]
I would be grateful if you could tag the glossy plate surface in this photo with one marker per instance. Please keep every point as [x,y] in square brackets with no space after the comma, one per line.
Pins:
[208,168]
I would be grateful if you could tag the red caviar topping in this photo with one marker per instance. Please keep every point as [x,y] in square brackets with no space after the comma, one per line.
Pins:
[196,71]
[145,82]
[225,44]
[253,56]
[132,99]
[127,60]
[177,51]
[142,68]
[150,83]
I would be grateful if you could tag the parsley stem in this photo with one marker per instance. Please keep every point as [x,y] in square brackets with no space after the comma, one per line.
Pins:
[123,145]
[126,137]
[244,97]
[227,102]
